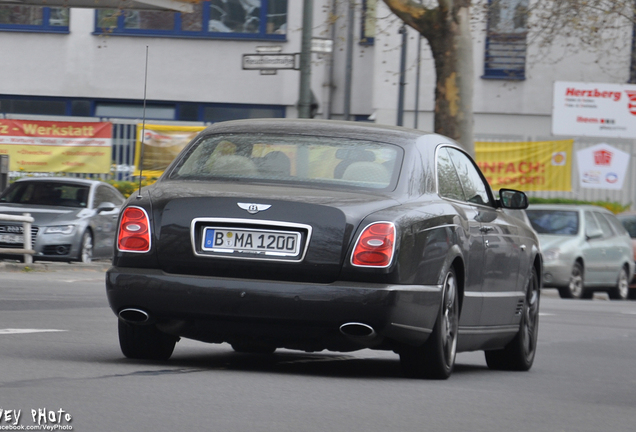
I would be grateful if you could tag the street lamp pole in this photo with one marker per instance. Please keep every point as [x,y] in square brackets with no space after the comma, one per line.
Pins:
[304,99]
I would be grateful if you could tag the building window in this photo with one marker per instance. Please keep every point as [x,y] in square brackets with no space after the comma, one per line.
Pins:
[506,40]
[134,109]
[34,19]
[367,36]
[231,19]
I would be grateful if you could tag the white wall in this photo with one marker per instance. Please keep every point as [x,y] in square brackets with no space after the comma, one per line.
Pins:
[81,64]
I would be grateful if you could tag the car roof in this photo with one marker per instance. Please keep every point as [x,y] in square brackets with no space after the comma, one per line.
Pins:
[87,182]
[328,128]
[567,207]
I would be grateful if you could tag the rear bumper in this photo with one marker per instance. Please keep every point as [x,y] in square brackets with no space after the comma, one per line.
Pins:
[285,314]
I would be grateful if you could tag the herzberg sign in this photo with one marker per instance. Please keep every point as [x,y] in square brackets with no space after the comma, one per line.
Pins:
[594,109]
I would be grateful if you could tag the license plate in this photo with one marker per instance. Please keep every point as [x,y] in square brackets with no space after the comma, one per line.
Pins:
[251,241]
[11,238]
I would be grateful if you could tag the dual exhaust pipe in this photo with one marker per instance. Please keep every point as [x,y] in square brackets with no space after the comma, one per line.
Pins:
[354,330]
[358,331]
[134,316]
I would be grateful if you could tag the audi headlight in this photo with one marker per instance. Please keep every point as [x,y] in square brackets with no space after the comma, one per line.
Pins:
[60,229]
[551,254]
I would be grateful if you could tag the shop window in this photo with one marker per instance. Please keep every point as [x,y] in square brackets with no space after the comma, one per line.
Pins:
[231,19]
[34,19]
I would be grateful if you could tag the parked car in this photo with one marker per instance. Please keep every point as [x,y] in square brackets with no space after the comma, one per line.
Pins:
[74,219]
[585,249]
[314,235]
[628,219]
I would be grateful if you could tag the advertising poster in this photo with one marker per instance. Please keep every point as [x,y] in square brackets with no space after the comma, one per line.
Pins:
[593,109]
[161,145]
[527,166]
[48,146]
[602,167]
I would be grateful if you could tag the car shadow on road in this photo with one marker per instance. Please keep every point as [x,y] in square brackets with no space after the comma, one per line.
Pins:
[340,365]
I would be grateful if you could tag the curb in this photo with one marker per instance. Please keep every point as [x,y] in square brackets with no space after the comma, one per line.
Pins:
[101,266]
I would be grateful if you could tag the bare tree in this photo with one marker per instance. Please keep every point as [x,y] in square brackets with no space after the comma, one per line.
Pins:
[446,27]
[597,26]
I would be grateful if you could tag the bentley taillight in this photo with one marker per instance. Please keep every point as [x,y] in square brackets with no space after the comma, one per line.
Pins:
[375,246]
[134,231]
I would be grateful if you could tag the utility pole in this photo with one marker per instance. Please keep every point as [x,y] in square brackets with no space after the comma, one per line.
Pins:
[632,63]
[349,62]
[304,98]
[400,113]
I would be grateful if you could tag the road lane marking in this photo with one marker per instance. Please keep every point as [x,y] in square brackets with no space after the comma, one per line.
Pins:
[22,331]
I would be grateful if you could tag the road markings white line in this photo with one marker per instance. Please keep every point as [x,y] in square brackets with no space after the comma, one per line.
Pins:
[21,331]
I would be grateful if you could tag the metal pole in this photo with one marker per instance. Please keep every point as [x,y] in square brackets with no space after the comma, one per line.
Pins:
[417,81]
[349,62]
[400,114]
[329,105]
[632,64]
[304,99]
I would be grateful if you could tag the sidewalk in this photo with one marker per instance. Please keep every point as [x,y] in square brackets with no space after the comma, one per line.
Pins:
[51,266]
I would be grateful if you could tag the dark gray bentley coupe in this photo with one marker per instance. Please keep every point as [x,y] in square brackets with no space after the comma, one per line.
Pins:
[321,235]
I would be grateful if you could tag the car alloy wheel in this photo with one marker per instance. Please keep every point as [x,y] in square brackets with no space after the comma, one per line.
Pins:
[575,288]
[436,358]
[519,354]
[86,249]
[621,290]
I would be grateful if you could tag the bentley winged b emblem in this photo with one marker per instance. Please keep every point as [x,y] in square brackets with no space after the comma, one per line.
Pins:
[253,208]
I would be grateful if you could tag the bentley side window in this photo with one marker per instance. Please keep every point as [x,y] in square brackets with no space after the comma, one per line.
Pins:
[475,189]
[448,184]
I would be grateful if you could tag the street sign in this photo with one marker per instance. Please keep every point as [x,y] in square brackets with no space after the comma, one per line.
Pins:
[269,49]
[269,61]
[322,46]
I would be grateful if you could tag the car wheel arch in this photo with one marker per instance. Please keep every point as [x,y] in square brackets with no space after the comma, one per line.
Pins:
[455,261]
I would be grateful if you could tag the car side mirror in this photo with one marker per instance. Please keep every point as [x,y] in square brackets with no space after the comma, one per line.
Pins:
[593,233]
[512,199]
[106,207]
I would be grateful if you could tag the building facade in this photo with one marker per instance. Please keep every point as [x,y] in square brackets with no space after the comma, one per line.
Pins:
[90,63]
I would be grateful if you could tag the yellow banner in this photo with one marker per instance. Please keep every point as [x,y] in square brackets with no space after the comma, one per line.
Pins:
[162,144]
[47,146]
[527,166]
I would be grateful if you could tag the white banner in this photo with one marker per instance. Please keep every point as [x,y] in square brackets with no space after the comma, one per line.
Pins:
[594,109]
[602,167]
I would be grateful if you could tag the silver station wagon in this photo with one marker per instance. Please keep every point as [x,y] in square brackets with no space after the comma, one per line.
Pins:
[585,249]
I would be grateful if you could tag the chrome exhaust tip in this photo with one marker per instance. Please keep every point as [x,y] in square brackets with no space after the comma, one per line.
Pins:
[358,330]
[133,315]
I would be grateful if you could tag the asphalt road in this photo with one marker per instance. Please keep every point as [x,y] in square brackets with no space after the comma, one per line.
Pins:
[60,357]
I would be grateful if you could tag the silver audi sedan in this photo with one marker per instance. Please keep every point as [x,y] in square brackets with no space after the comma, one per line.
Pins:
[74,219]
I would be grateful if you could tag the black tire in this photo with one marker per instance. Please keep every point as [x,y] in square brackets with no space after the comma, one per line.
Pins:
[632,293]
[436,358]
[519,354]
[145,342]
[86,248]
[621,290]
[576,285]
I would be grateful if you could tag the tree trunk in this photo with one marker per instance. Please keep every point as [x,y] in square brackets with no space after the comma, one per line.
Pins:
[447,30]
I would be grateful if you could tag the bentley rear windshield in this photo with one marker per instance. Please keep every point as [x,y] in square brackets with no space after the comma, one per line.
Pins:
[291,159]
